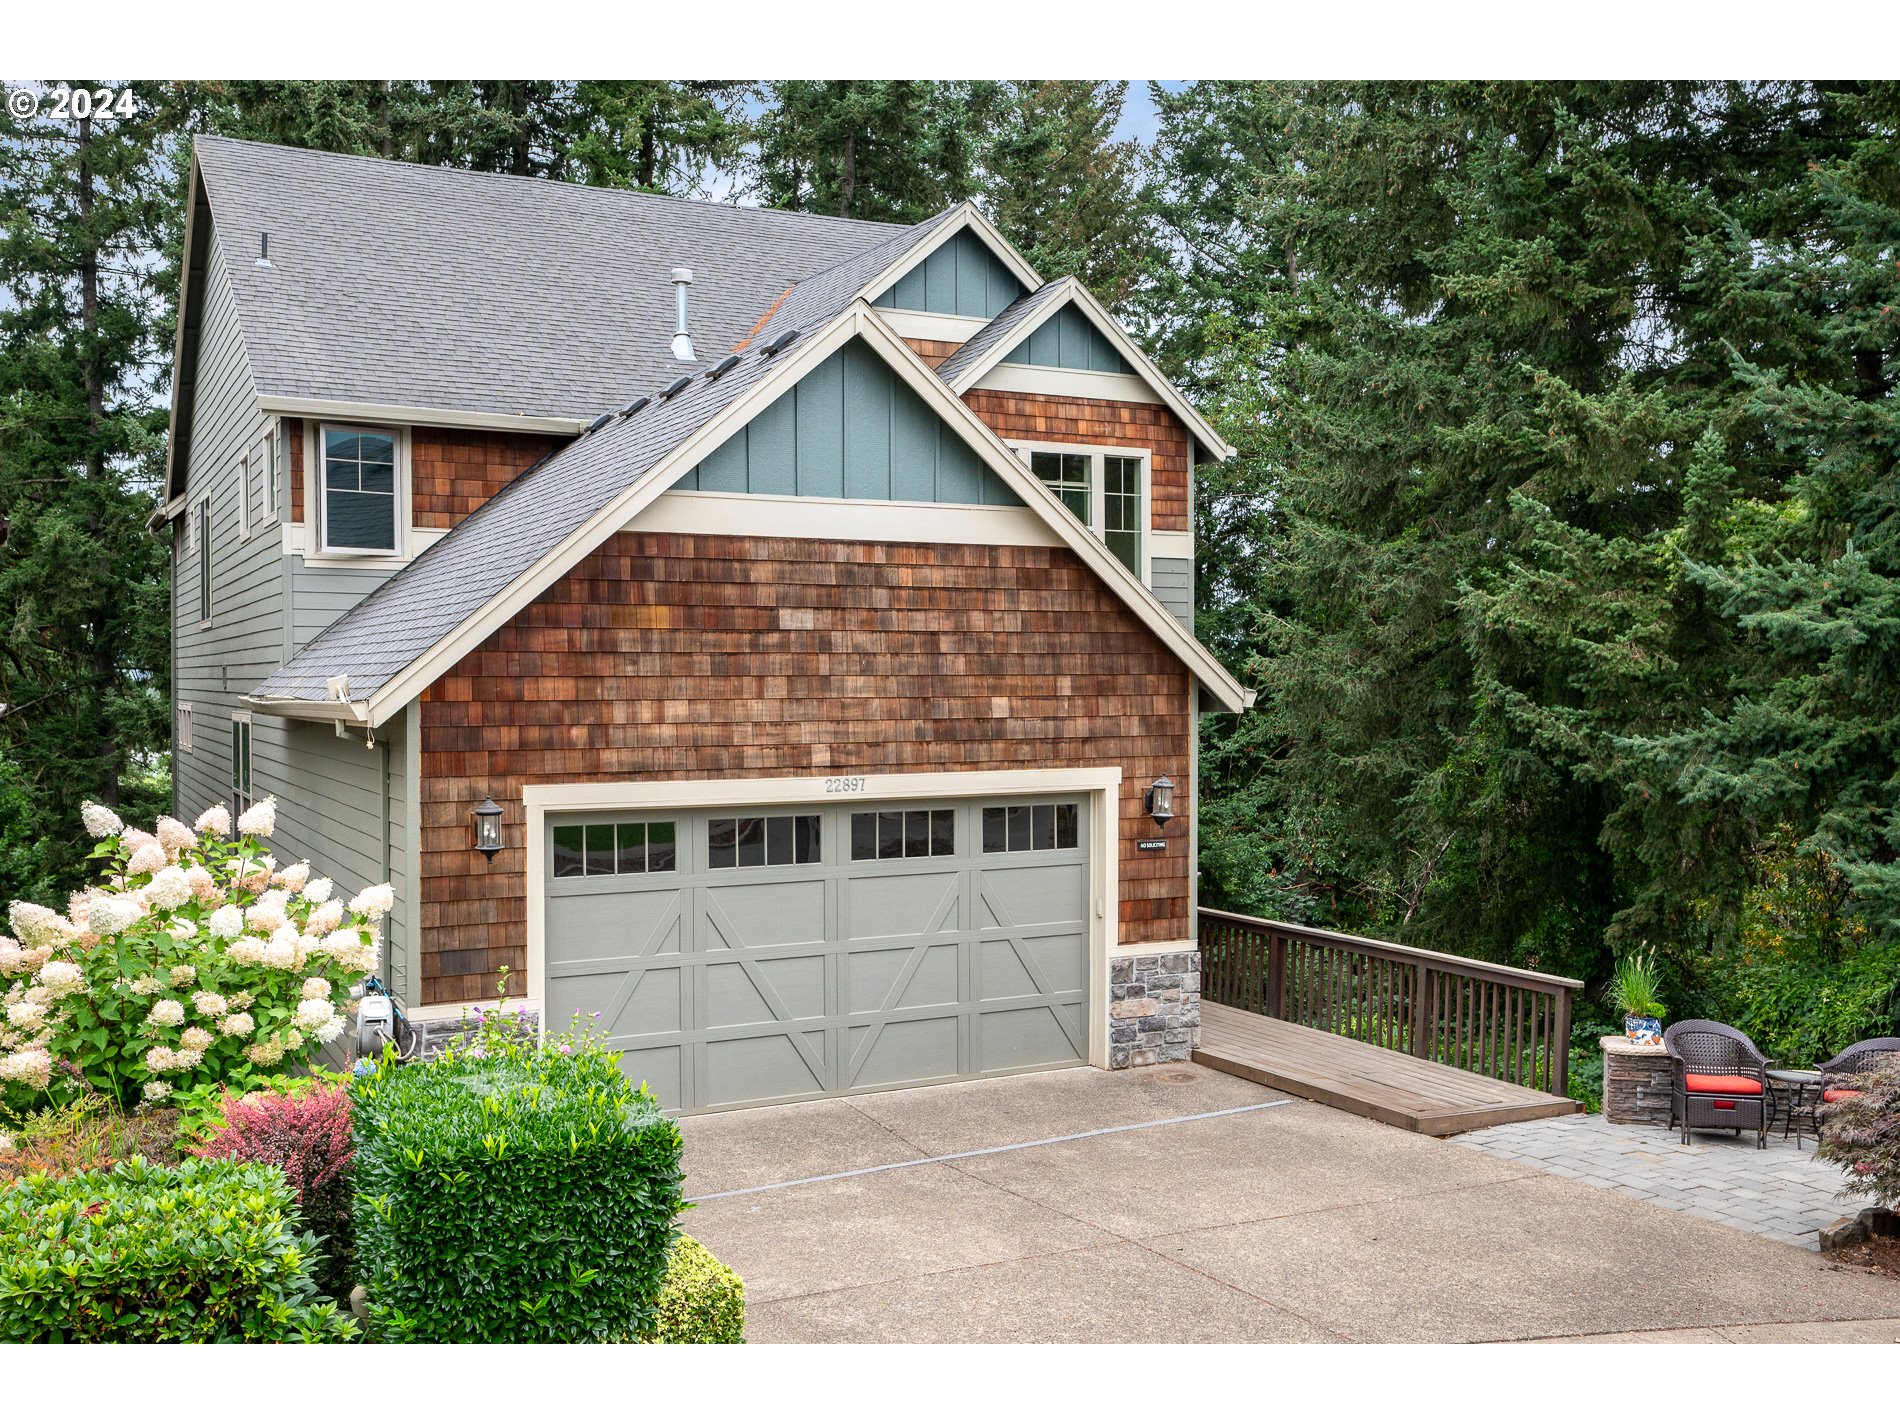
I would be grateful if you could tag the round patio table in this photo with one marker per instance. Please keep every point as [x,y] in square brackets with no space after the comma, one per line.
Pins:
[1800,1093]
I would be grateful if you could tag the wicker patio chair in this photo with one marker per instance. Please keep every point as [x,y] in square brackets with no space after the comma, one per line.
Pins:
[1718,1079]
[1854,1059]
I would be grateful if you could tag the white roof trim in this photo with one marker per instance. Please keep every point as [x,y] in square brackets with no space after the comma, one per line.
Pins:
[356,714]
[1170,395]
[857,320]
[375,412]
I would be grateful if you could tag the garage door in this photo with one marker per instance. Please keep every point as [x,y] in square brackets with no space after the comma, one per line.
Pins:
[749,956]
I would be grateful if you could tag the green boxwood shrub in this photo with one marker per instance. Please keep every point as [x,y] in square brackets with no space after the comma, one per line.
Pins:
[509,1192]
[205,1251]
[702,1301]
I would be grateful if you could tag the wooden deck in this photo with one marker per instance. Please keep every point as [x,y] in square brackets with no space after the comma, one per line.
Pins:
[1394,1088]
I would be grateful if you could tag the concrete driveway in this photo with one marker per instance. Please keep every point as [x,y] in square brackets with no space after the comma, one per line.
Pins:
[1255,1219]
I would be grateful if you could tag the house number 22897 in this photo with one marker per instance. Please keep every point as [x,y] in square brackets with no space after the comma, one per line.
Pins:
[847,784]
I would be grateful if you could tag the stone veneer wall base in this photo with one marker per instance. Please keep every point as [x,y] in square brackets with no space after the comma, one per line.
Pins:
[1154,1008]
[1636,1082]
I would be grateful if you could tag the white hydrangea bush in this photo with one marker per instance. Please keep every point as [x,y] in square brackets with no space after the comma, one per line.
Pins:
[195,959]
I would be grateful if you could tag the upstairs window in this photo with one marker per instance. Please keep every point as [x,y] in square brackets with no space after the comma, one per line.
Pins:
[358,488]
[1107,491]
[204,560]
[277,466]
[240,763]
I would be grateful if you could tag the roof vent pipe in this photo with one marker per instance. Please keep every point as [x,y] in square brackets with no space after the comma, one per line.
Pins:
[682,343]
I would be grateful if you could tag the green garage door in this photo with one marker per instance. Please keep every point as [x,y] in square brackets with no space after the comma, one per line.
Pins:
[750,956]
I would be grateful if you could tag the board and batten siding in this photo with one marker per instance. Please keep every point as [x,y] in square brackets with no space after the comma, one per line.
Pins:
[962,278]
[850,430]
[1071,340]
[330,791]
[668,656]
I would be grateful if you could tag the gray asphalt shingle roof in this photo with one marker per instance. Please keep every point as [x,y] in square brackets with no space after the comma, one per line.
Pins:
[406,285]
[453,579]
[1002,332]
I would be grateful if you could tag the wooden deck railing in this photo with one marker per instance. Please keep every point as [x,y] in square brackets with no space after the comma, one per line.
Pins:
[1491,1019]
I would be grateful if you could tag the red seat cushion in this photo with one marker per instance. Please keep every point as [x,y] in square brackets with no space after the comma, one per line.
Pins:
[1836,1095]
[1721,1083]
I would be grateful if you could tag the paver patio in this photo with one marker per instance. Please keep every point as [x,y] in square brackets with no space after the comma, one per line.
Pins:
[1288,1223]
[1782,1191]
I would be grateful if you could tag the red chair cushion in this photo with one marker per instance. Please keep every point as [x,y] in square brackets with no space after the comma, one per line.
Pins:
[1721,1083]
[1836,1095]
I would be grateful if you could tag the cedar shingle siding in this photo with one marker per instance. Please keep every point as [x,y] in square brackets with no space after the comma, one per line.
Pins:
[456,470]
[664,656]
[1079,420]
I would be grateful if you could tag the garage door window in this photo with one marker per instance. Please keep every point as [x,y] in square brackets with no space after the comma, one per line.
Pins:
[894,835]
[1032,828]
[762,841]
[627,848]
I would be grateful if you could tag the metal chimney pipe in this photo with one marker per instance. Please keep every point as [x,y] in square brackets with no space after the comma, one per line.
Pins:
[682,343]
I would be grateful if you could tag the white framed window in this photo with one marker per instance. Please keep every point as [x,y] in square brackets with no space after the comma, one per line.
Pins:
[240,763]
[203,525]
[184,727]
[1106,487]
[276,467]
[244,495]
[362,493]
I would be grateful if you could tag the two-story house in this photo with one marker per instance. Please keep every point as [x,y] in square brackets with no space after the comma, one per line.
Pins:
[812,598]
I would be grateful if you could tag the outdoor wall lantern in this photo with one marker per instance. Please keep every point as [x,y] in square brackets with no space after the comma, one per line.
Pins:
[488,828]
[1161,802]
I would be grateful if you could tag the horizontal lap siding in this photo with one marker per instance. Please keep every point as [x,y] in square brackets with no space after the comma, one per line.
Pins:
[664,657]
[1078,420]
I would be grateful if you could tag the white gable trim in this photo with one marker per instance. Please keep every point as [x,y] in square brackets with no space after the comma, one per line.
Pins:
[1150,374]
[968,215]
[377,413]
[857,320]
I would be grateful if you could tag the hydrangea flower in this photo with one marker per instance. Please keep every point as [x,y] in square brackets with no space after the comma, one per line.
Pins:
[149,858]
[209,1004]
[157,1090]
[61,976]
[181,975]
[318,890]
[174,835]
[168,889]
[167,1012]
[260,820]
[316,988]
[216,821]
[31,1067]
[26,1014]
[374,902]
[265,916]
[324,919]
[196,1039]
[237,1025]
[100,821]
[312,1014]
[159,1059]
[227,922]
[294,877]
[37,926]
[111,914]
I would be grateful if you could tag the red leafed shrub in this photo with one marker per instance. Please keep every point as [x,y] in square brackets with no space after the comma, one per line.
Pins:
[307,1137]
[1862,1133]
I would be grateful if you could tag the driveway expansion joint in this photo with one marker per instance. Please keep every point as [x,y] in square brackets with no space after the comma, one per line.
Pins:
[989,1152]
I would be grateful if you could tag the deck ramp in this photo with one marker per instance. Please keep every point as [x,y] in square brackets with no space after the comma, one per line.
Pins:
[1383,1084]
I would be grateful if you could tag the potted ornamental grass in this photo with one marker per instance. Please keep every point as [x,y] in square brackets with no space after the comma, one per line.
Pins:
[1633,989]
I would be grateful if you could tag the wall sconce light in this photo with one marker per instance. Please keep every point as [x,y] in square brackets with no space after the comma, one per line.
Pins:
[488,828]
[1161,802]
